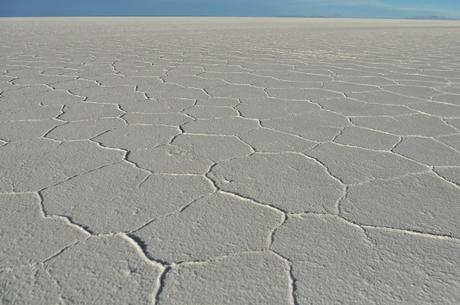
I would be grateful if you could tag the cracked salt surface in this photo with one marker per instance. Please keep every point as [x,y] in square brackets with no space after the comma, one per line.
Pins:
[229,161]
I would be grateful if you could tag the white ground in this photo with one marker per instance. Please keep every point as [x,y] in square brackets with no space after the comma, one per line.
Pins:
[229,161]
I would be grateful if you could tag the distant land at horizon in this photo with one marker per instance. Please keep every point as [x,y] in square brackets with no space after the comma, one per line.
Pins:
[438,18]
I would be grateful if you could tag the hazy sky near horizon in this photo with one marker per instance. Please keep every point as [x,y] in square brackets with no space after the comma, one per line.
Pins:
[315,8]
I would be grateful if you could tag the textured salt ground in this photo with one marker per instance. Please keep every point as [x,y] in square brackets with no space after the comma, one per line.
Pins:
[229,161]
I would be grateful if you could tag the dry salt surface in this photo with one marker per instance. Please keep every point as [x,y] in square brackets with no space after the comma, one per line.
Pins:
[195,161]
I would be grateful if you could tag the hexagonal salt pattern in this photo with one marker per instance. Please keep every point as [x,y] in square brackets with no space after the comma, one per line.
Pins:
[229,161]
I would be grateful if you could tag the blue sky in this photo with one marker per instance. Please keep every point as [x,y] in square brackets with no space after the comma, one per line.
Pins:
[315,8]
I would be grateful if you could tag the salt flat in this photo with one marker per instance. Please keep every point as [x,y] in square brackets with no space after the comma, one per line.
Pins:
[229,161]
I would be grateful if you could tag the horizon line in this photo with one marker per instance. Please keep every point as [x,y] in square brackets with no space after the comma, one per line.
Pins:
[437,18]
